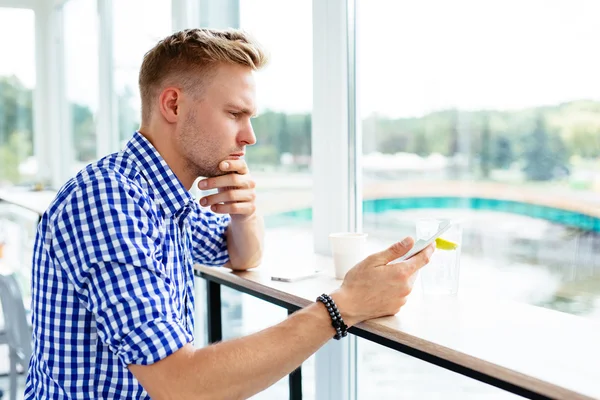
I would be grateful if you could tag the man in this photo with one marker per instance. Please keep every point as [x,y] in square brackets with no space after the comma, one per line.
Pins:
[112,272]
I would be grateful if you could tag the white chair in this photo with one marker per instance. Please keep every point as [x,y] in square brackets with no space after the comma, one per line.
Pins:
[16,329]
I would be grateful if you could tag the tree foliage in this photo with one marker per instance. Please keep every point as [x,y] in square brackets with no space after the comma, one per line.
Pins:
[540,140]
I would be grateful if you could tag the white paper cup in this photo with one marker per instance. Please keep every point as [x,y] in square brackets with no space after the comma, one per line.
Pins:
[348,250]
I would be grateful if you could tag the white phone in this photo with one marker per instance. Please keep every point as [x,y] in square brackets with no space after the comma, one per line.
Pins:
[293,276]
[421,244]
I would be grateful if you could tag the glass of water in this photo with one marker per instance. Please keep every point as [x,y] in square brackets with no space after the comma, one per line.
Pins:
[440,276]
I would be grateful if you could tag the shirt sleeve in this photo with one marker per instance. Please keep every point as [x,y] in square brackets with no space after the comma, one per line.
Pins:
[108,243]
[209,240]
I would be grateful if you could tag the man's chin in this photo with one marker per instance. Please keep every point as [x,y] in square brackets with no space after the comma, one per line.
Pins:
[211,174]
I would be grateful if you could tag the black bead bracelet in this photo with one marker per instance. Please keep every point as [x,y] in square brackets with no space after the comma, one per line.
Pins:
[341,329]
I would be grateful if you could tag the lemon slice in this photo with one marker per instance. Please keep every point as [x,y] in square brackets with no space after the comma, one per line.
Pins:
[444,244]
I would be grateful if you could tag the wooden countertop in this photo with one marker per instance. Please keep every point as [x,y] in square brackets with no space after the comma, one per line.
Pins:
[544,351]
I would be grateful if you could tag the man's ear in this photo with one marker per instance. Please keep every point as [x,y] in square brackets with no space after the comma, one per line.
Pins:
[169,104]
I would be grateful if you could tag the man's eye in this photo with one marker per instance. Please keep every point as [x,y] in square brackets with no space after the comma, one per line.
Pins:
[234,114]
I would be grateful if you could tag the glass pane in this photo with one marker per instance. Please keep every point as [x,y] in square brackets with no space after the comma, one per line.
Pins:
[81,64]
[130,42]
[487,112]
[244,315]
[17,82]
[280,161]
[18,227]
[387,374]
[17,162]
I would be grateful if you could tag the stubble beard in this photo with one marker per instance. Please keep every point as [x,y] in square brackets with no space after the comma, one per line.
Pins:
[198,162]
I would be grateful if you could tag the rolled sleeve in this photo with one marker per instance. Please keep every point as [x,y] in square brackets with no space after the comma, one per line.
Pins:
[109,248]
[152,342]
[209,240]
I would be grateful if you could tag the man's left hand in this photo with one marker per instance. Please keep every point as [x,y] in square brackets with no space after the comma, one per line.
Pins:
[236,194]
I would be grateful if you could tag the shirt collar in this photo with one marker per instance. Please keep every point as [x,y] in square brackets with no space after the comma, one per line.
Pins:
[168,190]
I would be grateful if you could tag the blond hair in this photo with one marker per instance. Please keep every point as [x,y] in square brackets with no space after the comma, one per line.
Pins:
[187,58]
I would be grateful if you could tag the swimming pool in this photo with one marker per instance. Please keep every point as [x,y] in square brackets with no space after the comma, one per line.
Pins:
[377,206]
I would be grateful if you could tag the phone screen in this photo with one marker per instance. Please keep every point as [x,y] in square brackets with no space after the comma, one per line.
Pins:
[421,244]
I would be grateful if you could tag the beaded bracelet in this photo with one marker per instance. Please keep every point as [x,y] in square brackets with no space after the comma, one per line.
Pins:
[341,329]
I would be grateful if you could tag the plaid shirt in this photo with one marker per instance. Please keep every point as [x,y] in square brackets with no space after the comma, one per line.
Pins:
[112,280]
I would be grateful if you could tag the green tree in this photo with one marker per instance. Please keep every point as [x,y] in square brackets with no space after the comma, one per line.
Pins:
[545,154]
[16,127]
[502,153]
[279,133]
[262,155]
[585,141]
[13,154]
[393,144]
[84,132]
[284,139]
[485,153]
[298,127]
[307,133]
[16,109]
[128,116]
[453,144]
[420,145]
[266,128]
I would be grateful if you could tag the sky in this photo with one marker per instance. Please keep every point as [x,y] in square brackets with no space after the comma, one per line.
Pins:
[414,56]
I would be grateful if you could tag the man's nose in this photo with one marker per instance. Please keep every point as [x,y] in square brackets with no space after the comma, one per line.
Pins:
[246,135]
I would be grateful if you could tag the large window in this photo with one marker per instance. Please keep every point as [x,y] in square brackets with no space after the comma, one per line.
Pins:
[17,162]
[82,83]
[488,112]
[281,159]
[17,82]
[484,111]
[138,26]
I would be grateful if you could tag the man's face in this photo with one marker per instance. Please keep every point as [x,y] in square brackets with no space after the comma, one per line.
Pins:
[217,126]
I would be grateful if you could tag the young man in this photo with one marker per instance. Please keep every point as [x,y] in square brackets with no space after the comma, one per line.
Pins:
[112,271]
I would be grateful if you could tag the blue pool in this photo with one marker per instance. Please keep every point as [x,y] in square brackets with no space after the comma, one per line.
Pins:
[564,217]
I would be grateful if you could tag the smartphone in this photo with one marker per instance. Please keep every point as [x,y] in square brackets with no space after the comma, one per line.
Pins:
[293,276]
[421,244]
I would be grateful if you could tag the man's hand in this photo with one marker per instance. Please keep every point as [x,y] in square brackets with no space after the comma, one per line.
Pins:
[236,194]
[236,197]
[373,288]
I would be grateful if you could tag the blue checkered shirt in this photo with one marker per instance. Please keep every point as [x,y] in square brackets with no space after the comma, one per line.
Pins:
[112,279]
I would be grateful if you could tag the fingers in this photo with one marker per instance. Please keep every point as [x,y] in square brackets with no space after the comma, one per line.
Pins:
[238,166]
[396,250]
[421,259]
[229,180]
[243,209]
[229,196]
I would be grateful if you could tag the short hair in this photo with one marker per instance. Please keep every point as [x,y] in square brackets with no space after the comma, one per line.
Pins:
[188,57]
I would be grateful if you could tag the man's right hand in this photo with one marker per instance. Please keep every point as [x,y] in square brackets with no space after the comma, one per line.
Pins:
[374,289]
